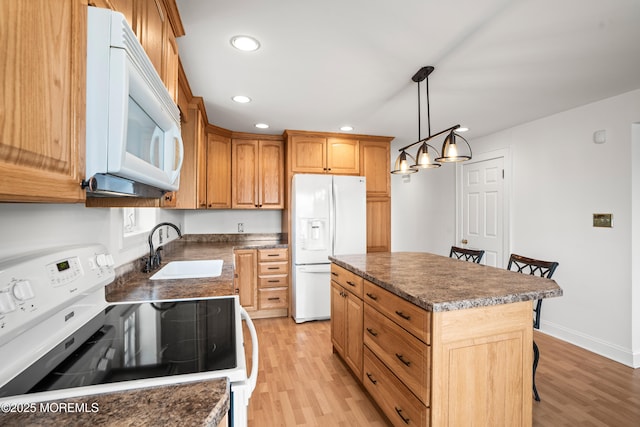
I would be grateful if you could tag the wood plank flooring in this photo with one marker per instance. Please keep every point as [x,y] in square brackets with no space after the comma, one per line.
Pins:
[302,383]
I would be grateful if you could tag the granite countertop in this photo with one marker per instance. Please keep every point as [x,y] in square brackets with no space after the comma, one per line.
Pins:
[438,283]
[203,403]
[132,284]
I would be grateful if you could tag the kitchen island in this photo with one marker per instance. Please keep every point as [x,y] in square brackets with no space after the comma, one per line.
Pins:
[437,341]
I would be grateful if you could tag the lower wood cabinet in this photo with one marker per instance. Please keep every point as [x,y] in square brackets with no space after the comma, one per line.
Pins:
[346,317]
[262,281]
[450,368]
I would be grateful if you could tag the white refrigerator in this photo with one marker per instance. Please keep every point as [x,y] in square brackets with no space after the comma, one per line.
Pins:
[329,217]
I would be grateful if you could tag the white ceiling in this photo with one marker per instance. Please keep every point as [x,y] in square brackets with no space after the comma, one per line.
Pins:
[327,63]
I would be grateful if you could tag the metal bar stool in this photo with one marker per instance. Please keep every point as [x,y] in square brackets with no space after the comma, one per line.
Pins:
[473,255]
[539,268]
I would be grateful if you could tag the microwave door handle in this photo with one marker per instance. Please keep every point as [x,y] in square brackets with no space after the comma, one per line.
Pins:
[155,139]
[175,136]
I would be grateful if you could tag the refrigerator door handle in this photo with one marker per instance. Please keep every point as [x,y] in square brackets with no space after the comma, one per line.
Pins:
[334,217]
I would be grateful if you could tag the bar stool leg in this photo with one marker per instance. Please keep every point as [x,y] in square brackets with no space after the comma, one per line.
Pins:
[536,357]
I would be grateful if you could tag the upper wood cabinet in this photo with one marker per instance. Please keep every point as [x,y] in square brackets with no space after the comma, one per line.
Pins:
[257,174]
[375,166]
[320,154]
[218,177]
[156,23]
[42,119]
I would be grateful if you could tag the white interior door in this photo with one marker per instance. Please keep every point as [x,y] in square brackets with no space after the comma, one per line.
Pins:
[482,224]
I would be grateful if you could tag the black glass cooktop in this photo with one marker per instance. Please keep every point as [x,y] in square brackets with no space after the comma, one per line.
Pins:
[137,341]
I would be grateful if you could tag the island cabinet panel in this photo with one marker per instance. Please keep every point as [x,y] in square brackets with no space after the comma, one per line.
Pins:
[347,316]
[405,355]
[409,316]
[394,398]
[449,367]
[482,360]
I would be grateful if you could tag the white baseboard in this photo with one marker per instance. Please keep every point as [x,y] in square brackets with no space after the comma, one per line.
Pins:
[595,345]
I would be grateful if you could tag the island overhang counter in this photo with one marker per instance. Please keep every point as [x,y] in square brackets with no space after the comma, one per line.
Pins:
[437,341]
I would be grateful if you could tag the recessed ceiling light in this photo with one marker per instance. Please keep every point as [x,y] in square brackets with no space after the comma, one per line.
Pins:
[346,128]
[245,43]
[462,129]
[241,99]
[262,125]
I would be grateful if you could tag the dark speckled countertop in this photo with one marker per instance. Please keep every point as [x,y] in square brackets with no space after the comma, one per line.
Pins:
[203,403]
[132,284]
[438,283]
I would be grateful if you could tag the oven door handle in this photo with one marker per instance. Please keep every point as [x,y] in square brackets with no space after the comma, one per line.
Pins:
[253,377]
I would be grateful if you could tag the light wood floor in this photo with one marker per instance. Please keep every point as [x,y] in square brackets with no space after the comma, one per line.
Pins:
[302,383]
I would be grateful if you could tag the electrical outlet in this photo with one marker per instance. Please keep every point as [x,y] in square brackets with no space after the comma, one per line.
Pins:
[240,227]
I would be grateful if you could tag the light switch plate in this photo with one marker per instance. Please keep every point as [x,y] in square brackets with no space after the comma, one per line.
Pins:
[603,220]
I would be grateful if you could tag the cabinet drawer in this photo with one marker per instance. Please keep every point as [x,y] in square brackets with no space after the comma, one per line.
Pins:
[279,254]
[396,401]
[351,282]
[273,281]
[404,354]
[266,268]
[411,317]
[272,298]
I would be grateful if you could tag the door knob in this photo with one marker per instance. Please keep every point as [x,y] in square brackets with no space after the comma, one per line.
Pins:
[464,241]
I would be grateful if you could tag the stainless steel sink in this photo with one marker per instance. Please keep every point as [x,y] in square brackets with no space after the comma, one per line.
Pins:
[189,269]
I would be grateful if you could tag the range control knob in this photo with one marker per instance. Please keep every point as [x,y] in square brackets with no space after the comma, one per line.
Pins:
[6,303]
[101,260]
[22,290]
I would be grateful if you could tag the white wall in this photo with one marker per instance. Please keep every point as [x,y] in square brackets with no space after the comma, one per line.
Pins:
[635,245]
[226,221]
[560,178]
[26,227]
[422,209]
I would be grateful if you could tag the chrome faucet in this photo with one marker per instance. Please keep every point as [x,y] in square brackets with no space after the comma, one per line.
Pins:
[154,255]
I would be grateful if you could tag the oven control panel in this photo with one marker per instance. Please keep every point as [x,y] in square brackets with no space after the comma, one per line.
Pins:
[35,286]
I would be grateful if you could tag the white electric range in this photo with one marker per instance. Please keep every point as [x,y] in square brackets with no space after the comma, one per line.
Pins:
[59,338]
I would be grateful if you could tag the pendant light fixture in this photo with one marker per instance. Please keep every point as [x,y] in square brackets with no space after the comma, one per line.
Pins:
[427,156]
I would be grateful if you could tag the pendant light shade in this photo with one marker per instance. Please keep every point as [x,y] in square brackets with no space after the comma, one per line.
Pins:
[453,151]
[424,157]
[404,164]
[427,156]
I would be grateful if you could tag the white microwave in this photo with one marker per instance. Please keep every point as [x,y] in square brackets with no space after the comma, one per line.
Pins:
[134,144]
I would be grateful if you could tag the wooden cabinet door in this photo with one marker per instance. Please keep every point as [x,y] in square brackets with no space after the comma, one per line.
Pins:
[271,175]
[218,175]
[338,318]
[375,166]
[244,173]
[201,165]
[186,195]
[343,156]
[246,278]
[152,20]
[42,124]
[354,328]
[308,154]
[379,224]
[170,62]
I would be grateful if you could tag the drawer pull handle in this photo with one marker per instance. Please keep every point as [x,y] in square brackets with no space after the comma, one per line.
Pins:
[273,254]
[402,359]
[273,268]
[350,283]
[333,273]
[273,298]
[372,332]
[372,296]
[371,378]
[273,281]
[404,316]
[399,411]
